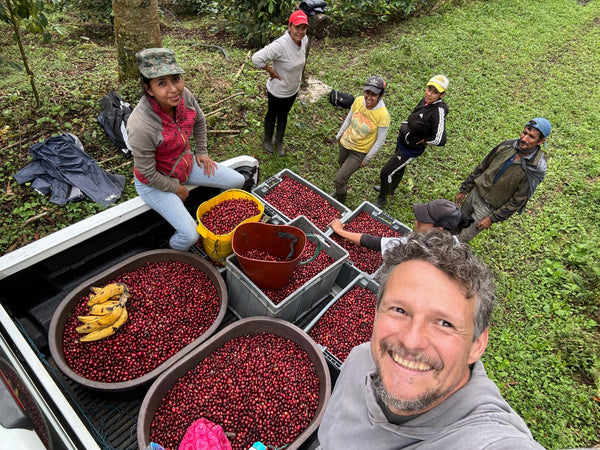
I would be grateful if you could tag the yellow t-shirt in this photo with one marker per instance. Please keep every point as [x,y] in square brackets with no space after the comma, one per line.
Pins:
[362,132]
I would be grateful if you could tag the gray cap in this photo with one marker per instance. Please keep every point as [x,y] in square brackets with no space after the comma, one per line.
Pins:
[157,62]
[374,84]
[441,213]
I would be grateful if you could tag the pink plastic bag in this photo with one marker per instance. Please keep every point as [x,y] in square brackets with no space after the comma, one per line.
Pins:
[204,435]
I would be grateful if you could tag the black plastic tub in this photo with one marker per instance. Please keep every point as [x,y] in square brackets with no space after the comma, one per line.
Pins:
[251,325]
[63,311]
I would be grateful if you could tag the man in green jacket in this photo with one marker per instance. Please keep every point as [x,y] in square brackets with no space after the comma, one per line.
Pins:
[505,179]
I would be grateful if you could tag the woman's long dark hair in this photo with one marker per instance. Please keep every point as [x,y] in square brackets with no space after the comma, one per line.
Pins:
[145,81]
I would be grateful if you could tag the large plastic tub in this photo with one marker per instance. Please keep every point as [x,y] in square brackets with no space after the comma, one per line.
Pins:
[62,313]
[364,282]
[246,299]
[263,189]
[218,246]
[284,243]
[378,215]
[252,325]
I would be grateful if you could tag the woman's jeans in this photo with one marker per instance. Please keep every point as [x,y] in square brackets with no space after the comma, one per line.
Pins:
[172,209]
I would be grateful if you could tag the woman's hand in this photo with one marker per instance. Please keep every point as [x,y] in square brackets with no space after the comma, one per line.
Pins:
[459,198]
[272,73]
[182,192]
[208,164]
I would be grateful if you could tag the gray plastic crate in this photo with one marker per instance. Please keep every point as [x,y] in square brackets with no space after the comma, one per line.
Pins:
[273,216]
[347,275]
[361,280]
[378,215]
[246,299]
[263,189]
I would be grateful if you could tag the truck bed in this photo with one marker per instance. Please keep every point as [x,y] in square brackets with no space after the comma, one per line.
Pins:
[32,284]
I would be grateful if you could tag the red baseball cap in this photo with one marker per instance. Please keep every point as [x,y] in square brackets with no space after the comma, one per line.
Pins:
[298,17]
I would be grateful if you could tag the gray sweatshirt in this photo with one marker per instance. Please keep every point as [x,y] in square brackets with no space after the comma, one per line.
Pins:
[288,61]
[474,417]
[147,132]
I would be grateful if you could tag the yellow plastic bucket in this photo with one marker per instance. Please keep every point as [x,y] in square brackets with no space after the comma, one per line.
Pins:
[218,246]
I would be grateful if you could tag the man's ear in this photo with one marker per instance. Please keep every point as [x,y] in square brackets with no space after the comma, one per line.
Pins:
[479,346]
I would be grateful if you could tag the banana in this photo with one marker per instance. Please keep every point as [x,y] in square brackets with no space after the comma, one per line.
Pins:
[114,297]
[101,309]
[87,319]
[100,295]
[103,321]
[106,331]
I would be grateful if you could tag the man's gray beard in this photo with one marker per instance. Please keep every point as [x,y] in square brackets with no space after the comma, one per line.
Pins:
[419,405]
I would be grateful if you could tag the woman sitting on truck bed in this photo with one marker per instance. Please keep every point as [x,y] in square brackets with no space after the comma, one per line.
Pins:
[159,130]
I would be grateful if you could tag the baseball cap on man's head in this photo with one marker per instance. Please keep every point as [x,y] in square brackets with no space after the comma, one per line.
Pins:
[441,213]
[540,124]
[157,62]
[440,82]
[374,84]
[298,17]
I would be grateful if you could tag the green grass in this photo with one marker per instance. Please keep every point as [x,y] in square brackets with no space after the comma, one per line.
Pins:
[507,61]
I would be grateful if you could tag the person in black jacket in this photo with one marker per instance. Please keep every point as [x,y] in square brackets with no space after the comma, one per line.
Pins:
[425,126]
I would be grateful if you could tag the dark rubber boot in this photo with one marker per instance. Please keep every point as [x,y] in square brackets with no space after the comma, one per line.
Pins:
[380,202]
[341,197]
[279,138]
[268,141]
[377,188]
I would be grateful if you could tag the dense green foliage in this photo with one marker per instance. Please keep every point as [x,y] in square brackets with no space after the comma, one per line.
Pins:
[256,22]
[29,15]
[352,15]
[507,61]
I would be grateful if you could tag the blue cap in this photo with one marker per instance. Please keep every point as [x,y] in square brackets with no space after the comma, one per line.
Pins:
[259,446]
[540,124]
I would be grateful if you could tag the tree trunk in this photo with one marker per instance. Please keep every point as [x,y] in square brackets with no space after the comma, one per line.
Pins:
[15,23]
[137,27]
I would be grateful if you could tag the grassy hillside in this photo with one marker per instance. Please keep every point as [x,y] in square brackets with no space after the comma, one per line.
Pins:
[507,61]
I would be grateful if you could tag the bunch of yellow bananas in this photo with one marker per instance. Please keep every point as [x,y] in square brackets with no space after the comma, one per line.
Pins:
[108,312]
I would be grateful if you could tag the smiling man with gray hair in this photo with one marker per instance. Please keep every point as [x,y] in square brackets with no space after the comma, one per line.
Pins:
[420,383]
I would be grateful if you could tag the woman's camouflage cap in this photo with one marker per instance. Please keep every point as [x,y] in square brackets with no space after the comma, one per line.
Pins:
[157,62]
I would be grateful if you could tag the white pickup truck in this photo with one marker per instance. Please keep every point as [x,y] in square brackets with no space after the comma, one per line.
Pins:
[41,408]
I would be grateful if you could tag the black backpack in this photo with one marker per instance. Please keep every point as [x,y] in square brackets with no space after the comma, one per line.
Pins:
[113,119]
[341,99]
